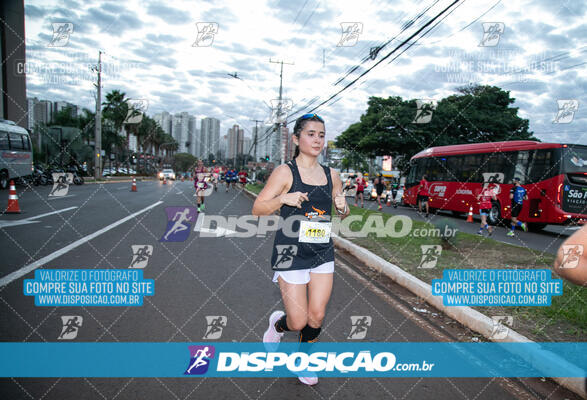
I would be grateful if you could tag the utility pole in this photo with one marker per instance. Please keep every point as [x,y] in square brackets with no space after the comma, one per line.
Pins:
[256,121]
[98,131]
[279,104]
[255,148]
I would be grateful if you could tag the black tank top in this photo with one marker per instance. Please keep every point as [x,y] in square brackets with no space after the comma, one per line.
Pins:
[288,252]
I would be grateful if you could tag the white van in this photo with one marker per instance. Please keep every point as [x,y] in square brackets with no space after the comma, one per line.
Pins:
[16,152]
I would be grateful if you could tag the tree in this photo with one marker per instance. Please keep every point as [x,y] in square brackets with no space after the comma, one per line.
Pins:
[183,162]
[475,114]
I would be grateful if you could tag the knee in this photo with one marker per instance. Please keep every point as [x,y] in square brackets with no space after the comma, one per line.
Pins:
[296,322]
[315,318]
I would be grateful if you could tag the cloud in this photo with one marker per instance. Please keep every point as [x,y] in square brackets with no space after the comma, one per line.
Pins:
[114,24]
[168,14]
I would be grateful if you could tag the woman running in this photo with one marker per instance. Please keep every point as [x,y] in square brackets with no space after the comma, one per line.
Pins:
[379,186]
[485,197]
[200,184]
[303,262]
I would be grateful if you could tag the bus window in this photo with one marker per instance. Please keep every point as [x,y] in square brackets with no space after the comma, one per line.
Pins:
[436,169]
[16,141]
[454,166]
[412,178]
[521,166]
[542,166]
[575,158]
[27,143]
[471,165]
[4,141]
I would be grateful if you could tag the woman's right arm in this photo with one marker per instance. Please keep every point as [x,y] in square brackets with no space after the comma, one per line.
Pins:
[271,197]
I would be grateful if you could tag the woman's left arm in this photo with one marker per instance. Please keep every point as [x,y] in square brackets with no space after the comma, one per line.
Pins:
[338,197]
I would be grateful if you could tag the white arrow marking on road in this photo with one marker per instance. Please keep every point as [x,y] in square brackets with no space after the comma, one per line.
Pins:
[31,220]
[31,267]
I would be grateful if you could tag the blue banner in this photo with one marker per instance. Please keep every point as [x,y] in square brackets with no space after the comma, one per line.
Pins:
[88,287]
[497,287]
[336,359]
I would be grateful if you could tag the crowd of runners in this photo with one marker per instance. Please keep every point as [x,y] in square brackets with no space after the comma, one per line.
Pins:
[207,179]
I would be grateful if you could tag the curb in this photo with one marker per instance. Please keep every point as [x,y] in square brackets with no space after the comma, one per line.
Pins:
[470,318]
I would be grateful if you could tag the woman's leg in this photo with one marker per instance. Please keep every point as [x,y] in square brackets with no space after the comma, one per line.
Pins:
[296,304]
[319,290]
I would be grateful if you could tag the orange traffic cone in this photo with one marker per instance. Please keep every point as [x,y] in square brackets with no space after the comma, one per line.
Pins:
[13,207]
[164,180]
[388,201]
[134,184]
[182,178]
[470,216]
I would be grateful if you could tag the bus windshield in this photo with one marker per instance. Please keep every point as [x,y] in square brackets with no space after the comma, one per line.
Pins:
[575,159]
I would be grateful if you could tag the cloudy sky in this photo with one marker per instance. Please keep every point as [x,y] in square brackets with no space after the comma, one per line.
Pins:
[535,49]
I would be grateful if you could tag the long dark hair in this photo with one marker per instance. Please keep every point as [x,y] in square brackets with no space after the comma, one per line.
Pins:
[299,127]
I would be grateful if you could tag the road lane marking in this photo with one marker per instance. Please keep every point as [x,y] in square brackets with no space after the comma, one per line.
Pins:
[31,220]
[31,267]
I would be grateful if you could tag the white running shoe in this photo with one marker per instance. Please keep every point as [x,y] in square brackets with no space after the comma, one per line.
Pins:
[271,335]
[308,380]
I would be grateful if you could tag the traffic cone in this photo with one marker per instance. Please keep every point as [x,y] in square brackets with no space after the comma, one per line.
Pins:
[470,216]
[182,178]
[164,180]
[13,207]
[388,201]
[134,184]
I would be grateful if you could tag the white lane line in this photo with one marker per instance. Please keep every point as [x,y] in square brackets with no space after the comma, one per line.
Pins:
[31,220]
[60,197]
[31,267]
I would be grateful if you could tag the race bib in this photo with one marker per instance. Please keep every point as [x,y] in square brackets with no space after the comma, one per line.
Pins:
[201,185]
[314,232]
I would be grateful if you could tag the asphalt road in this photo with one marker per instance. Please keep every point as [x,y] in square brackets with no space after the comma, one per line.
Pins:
[196,278]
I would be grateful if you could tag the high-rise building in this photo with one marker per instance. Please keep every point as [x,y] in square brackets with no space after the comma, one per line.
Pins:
[223,147]
[247,142]
[287,144]
[180,131]
[39,111]
[209,137]
[235,141]
[164,119]
[60,105]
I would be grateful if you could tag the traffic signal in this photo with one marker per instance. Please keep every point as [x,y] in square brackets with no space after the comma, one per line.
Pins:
[266,158]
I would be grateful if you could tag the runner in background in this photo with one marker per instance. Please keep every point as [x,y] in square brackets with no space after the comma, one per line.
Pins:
[379,186]
[200,175]
[517,195]
[230,178]
[215,177]
[361,183]
[423,194]
[485,196]
[242,176]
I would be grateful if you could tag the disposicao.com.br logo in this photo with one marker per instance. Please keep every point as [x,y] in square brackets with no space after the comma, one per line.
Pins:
[297,359]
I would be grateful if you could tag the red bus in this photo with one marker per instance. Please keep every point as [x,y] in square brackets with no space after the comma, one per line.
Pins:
[553,174]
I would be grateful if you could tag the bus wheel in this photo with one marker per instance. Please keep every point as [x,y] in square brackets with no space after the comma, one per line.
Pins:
[535,226]
[3,180]
[494,217]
